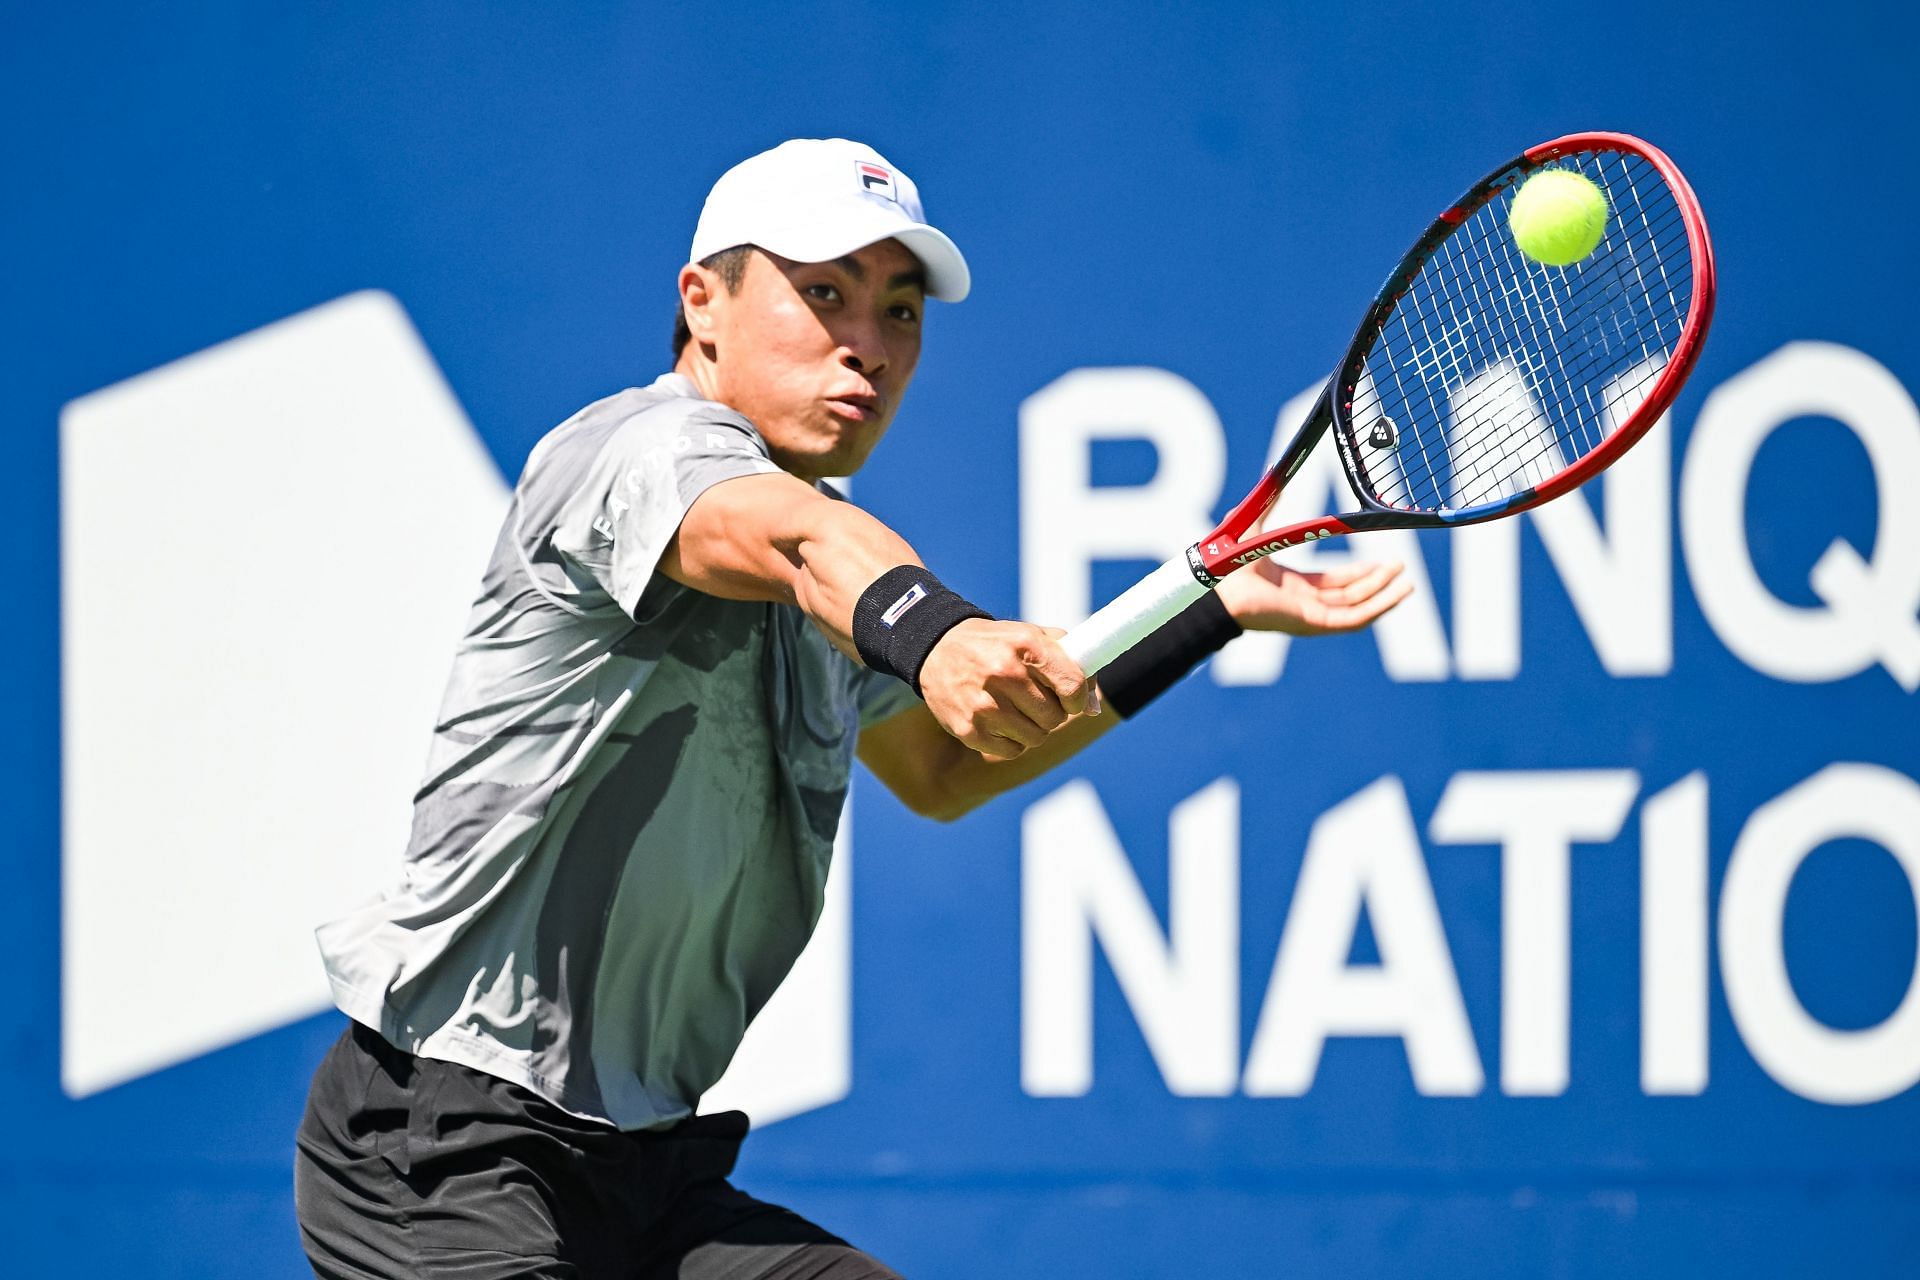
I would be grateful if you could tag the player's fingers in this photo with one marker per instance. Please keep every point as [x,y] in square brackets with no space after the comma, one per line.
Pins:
[1347,617]
[997,734]
[1019,717]
[1019,697]
[1010,698]
[1340,575]
[1092,686]
[1052,667]
[1361,583]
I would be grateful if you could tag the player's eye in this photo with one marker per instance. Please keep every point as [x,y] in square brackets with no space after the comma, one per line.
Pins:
[824,292]
[904,312]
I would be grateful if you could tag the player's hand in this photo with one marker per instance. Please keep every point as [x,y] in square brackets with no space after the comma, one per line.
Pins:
[1269,596]
[1002,687]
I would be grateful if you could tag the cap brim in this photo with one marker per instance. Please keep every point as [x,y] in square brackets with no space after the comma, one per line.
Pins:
[948,278]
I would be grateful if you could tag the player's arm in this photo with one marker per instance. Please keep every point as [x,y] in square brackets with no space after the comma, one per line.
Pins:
[999,688]
[937,778]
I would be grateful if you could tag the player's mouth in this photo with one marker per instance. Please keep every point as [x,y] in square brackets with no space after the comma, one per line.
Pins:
[855,408]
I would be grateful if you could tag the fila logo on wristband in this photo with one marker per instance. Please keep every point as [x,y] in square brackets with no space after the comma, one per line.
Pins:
[887,639]
[914,595]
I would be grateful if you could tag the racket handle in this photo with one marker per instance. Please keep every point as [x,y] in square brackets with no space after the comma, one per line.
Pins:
[1137,612]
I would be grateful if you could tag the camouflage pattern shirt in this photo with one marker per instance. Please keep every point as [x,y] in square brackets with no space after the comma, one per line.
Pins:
[622,838]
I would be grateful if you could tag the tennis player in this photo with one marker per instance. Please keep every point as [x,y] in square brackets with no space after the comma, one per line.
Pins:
[619,848]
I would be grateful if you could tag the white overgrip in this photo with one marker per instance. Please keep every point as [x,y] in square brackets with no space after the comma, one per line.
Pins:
[1131,616]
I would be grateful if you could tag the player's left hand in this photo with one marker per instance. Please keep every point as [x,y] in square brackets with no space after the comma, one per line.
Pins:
[1269,596]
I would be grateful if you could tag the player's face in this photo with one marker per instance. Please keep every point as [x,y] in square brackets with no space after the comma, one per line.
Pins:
[818,354]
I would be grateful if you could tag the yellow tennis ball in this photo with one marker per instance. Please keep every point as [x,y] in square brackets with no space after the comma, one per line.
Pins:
[1557,217]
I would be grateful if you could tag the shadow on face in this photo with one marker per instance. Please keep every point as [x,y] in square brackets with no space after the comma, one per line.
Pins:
[816,354]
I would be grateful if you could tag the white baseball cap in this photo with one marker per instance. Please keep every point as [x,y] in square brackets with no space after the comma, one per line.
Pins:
[816,199]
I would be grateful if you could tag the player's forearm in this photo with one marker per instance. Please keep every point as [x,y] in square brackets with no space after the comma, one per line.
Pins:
[998,687]
[774,538]
[836,555]
[938,777]
[974,780]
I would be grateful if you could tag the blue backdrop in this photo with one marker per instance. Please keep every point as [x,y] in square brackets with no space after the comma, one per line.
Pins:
[1212,191]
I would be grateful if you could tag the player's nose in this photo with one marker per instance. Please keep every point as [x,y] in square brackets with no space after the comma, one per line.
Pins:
[863,348]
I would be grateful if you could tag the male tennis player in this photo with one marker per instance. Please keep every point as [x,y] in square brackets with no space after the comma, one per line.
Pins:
[622,837]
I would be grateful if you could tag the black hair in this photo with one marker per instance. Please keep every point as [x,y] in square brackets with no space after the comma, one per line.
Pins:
[731,266]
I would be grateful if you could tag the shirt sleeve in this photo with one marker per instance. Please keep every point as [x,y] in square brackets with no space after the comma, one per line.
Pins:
[616,522]
[880,696]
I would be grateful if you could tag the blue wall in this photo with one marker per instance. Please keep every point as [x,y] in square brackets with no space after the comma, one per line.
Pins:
[1212,192]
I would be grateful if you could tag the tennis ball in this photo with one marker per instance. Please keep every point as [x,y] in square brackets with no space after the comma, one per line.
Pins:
[1557,217]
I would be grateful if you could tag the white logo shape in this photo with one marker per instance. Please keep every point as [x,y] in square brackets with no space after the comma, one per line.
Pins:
[895,611]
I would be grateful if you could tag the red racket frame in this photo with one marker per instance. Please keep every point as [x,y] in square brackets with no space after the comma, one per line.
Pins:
[1238,541]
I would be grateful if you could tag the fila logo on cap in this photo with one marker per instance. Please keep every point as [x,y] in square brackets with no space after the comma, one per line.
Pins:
[876,180]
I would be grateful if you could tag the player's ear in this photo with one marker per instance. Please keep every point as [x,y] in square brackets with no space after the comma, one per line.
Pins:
[700,289]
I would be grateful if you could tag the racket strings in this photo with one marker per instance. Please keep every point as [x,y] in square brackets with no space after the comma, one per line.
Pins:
[1595,420]
[1447,362]
[1501,399]
[1494,372]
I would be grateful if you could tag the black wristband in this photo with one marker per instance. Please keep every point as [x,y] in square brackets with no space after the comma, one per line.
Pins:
[900,617]
[1151,667]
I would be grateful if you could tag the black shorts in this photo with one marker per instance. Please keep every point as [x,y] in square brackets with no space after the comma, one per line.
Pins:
[409,1167]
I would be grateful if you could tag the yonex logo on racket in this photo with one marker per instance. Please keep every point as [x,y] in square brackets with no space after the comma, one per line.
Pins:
[1266,549]
[876,180]
[914,595]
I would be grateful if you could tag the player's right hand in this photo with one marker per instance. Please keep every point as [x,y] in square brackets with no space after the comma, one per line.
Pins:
[1002,687]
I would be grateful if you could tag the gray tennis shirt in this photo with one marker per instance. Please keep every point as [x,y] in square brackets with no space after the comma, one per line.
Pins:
[620,845]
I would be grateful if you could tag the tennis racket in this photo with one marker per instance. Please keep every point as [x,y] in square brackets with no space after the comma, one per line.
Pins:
[1480,382]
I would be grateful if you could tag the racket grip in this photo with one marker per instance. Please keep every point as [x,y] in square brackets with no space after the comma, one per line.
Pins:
[1133,615]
